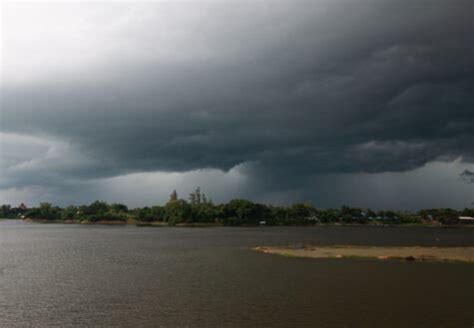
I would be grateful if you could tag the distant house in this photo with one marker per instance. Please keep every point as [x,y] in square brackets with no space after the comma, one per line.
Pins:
[466,219]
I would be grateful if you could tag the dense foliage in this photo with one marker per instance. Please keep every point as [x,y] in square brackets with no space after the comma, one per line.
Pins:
[200,210]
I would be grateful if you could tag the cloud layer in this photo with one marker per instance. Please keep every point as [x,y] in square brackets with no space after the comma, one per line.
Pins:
[280,92]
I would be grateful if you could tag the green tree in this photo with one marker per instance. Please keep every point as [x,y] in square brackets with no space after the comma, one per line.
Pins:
[174,196]
[241,211]
[301,211]
[48,212]
[70,213]
[117,207]
[5,211]
[177,211]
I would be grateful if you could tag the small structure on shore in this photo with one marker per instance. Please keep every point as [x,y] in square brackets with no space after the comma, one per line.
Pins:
[466,219]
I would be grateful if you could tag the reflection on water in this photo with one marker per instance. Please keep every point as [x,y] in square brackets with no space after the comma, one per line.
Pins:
[73,275]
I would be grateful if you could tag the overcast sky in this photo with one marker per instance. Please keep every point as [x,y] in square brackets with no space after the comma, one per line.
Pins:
[365,103]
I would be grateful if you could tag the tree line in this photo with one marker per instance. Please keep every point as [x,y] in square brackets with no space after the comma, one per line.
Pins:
[199,209]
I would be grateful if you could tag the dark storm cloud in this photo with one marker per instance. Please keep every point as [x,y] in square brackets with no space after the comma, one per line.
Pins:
[467,176]
[291,90]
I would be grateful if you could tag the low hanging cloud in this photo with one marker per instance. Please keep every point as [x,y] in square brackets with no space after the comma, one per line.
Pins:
[279,92]
[467,176]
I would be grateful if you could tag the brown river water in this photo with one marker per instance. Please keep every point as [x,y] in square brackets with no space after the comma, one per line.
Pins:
[54,275]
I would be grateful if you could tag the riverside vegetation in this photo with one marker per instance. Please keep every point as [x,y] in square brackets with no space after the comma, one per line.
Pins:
[199,210]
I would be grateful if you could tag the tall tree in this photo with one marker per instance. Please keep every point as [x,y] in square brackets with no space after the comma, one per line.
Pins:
[192,198]
[173,196]
[198,195]
[195,197]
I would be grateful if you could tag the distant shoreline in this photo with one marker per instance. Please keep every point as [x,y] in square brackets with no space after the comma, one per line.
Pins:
[202,212]
[163,224]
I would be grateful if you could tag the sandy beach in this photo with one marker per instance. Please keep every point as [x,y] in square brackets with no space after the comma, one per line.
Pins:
[409,253]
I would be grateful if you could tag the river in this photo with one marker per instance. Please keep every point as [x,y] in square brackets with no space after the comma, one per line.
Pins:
[54,275]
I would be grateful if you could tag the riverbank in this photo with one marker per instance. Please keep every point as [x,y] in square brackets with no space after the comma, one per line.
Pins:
[219,224]
[409,253]
[157,224]
[101,222]
[160,224]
